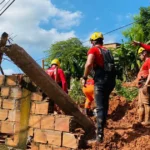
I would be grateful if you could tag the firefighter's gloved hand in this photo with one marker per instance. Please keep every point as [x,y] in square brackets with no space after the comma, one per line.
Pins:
[135,43]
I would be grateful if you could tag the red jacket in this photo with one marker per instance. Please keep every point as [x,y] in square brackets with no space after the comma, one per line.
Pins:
[145,46]
[60,78]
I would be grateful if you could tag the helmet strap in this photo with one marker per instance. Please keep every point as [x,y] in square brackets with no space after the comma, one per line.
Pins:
[93,43]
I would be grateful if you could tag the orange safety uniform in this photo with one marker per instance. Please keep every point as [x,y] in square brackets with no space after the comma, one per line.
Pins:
[88,91]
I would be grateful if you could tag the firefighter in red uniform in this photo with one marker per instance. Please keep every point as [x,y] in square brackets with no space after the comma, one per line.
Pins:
[145,46]
[144,84]
[57,74]
[104,82]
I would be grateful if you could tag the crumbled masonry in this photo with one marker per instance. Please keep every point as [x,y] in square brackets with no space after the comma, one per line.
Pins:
[44,130]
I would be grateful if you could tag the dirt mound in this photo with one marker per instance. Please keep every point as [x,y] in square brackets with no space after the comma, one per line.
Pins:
[122,131]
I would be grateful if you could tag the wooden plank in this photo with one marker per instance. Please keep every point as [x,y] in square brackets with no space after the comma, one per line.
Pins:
[29,66]
[24,118]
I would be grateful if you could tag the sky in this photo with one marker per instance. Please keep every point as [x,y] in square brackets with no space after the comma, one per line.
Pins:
[36,24]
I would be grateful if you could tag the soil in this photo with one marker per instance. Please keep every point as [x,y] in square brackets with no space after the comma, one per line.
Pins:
[123,132]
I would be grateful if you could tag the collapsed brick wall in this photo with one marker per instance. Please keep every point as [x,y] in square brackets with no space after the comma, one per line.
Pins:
[45,131]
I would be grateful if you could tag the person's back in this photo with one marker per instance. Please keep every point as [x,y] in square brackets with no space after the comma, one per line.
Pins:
[57,74]
[103,84]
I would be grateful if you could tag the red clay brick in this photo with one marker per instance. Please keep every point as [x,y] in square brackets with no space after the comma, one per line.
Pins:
[30,132]
[32,108]
[54,137]
[14,115]
[7,127]
[11,80]
[17,128]
[45,147]
[35,121]
[60,148]
[41,108]
[3,114]
[2,79]
[70,140]
[36,96]
[47,122]
[8,104]
[34,146]
[5,91]
[39,136]
[12,141]
[15,92]
[63,123]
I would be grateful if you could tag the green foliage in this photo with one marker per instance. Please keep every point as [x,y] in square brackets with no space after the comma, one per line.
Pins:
[72,55]
[76,92]
[126,56]
[134,33]
[144,21]
[140,29]
[128,92]
[126,62]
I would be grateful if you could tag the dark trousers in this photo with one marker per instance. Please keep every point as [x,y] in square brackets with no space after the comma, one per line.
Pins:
[104,85]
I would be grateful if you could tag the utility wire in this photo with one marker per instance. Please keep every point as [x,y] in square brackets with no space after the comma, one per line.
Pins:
[119,28]
[2,2]
[7,6]
[116,29]
[88,40]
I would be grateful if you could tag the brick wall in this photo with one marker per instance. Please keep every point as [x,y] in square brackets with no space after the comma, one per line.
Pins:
[45,131]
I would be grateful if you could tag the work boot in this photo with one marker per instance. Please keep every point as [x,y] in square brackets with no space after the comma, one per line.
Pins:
[147,115]
[140,113]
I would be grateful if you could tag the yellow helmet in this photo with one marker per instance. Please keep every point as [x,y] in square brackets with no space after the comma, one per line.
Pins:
[55,62]
[140,50]
[96,35]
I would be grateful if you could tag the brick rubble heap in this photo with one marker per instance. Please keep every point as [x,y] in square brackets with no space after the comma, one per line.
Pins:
[46,131]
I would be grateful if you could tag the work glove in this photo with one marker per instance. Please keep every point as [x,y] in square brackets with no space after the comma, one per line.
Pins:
[83,81]
[135,43]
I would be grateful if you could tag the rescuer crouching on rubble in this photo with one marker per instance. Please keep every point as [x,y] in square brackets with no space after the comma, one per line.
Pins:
[144,87]
[57,74]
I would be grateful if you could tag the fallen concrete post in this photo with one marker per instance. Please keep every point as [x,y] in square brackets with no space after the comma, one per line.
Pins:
[29,66]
